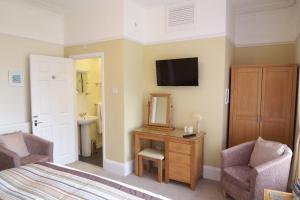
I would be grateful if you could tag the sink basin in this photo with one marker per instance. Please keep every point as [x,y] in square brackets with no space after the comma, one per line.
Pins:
[86,120]
[85,123]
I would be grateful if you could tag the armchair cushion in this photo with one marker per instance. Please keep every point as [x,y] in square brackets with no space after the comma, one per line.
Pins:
[34,159]
[239,176]
[14,142]
[265,151]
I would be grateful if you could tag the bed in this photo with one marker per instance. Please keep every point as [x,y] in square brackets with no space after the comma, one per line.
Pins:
[53,182]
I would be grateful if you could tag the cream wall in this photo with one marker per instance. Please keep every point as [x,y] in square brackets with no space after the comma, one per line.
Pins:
[123,70]
[207,99]
[133,93]
[114,78]
[229,55]
[266,54]
[14,55]
[134,75]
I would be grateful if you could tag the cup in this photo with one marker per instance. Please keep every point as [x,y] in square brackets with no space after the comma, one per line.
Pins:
[190,129]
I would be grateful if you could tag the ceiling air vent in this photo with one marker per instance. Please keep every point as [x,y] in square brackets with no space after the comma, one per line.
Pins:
[180,16]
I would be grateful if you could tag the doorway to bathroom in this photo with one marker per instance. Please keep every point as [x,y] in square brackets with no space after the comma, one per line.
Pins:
[90,107]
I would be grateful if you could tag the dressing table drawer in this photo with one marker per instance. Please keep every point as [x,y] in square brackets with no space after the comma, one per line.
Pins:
[180,164]
[180,172]
[180,147]
[176,158]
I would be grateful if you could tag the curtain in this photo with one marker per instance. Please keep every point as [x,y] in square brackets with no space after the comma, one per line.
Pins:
[296,162]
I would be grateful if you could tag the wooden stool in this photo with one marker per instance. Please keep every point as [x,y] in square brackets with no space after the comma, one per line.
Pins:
[152,155]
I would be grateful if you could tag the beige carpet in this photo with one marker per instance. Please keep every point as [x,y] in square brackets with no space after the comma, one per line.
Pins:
[205,190]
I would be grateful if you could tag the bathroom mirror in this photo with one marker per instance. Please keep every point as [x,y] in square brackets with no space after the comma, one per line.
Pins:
[159,110]
[81,82]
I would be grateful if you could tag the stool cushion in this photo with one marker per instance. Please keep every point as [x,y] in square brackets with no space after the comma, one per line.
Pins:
[152,153]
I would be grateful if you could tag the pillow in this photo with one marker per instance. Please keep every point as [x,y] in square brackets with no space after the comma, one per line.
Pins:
[14,142]
[265,151]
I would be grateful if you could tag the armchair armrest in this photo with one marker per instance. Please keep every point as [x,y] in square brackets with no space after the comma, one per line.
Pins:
[8,159]
[271,175]
[37,145]
[237,155]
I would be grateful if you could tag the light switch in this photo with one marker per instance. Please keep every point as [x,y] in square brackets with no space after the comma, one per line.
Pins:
[115,90]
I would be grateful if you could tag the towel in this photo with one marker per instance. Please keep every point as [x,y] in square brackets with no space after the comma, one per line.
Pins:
[99,115]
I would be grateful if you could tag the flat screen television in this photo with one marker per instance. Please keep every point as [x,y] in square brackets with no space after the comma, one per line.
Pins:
[177,72]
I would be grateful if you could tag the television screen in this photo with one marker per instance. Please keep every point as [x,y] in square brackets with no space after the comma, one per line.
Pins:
[177,72]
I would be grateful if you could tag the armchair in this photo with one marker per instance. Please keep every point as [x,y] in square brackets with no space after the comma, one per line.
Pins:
[40,150]
[242,182]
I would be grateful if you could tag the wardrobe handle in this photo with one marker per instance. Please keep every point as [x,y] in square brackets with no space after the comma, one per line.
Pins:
[259,118]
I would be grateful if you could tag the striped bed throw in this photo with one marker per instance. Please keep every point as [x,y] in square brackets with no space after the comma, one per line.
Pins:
[53,182]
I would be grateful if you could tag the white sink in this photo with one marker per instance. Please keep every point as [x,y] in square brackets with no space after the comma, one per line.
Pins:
[85,122]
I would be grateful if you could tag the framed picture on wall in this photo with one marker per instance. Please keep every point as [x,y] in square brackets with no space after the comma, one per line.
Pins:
[16,78]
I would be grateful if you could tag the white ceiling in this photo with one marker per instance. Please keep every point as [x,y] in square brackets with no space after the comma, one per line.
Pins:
[63,6]
[149,3]
[240,6]
[254,2]
[250,6]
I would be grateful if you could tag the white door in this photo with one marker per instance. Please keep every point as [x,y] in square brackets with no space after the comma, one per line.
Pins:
[52,81]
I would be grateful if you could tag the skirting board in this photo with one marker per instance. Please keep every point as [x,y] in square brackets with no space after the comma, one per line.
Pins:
[124,169]
[8,128]
[211,173]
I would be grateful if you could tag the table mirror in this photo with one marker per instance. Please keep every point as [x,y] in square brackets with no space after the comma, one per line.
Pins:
[159,110]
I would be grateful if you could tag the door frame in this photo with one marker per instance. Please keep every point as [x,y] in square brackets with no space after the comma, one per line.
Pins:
[102,67]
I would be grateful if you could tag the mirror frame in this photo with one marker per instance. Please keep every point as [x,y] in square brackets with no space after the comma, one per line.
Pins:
[168,114]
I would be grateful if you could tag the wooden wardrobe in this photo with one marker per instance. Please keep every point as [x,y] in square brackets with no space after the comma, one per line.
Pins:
[262,103]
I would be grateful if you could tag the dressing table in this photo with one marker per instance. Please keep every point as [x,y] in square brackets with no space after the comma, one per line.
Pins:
[183,156]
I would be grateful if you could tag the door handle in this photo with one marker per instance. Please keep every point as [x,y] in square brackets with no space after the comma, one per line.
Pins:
[260,118]
[35,116]
[36,122]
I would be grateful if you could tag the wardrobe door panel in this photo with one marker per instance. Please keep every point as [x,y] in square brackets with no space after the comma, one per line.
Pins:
[245,104]
[278,103]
